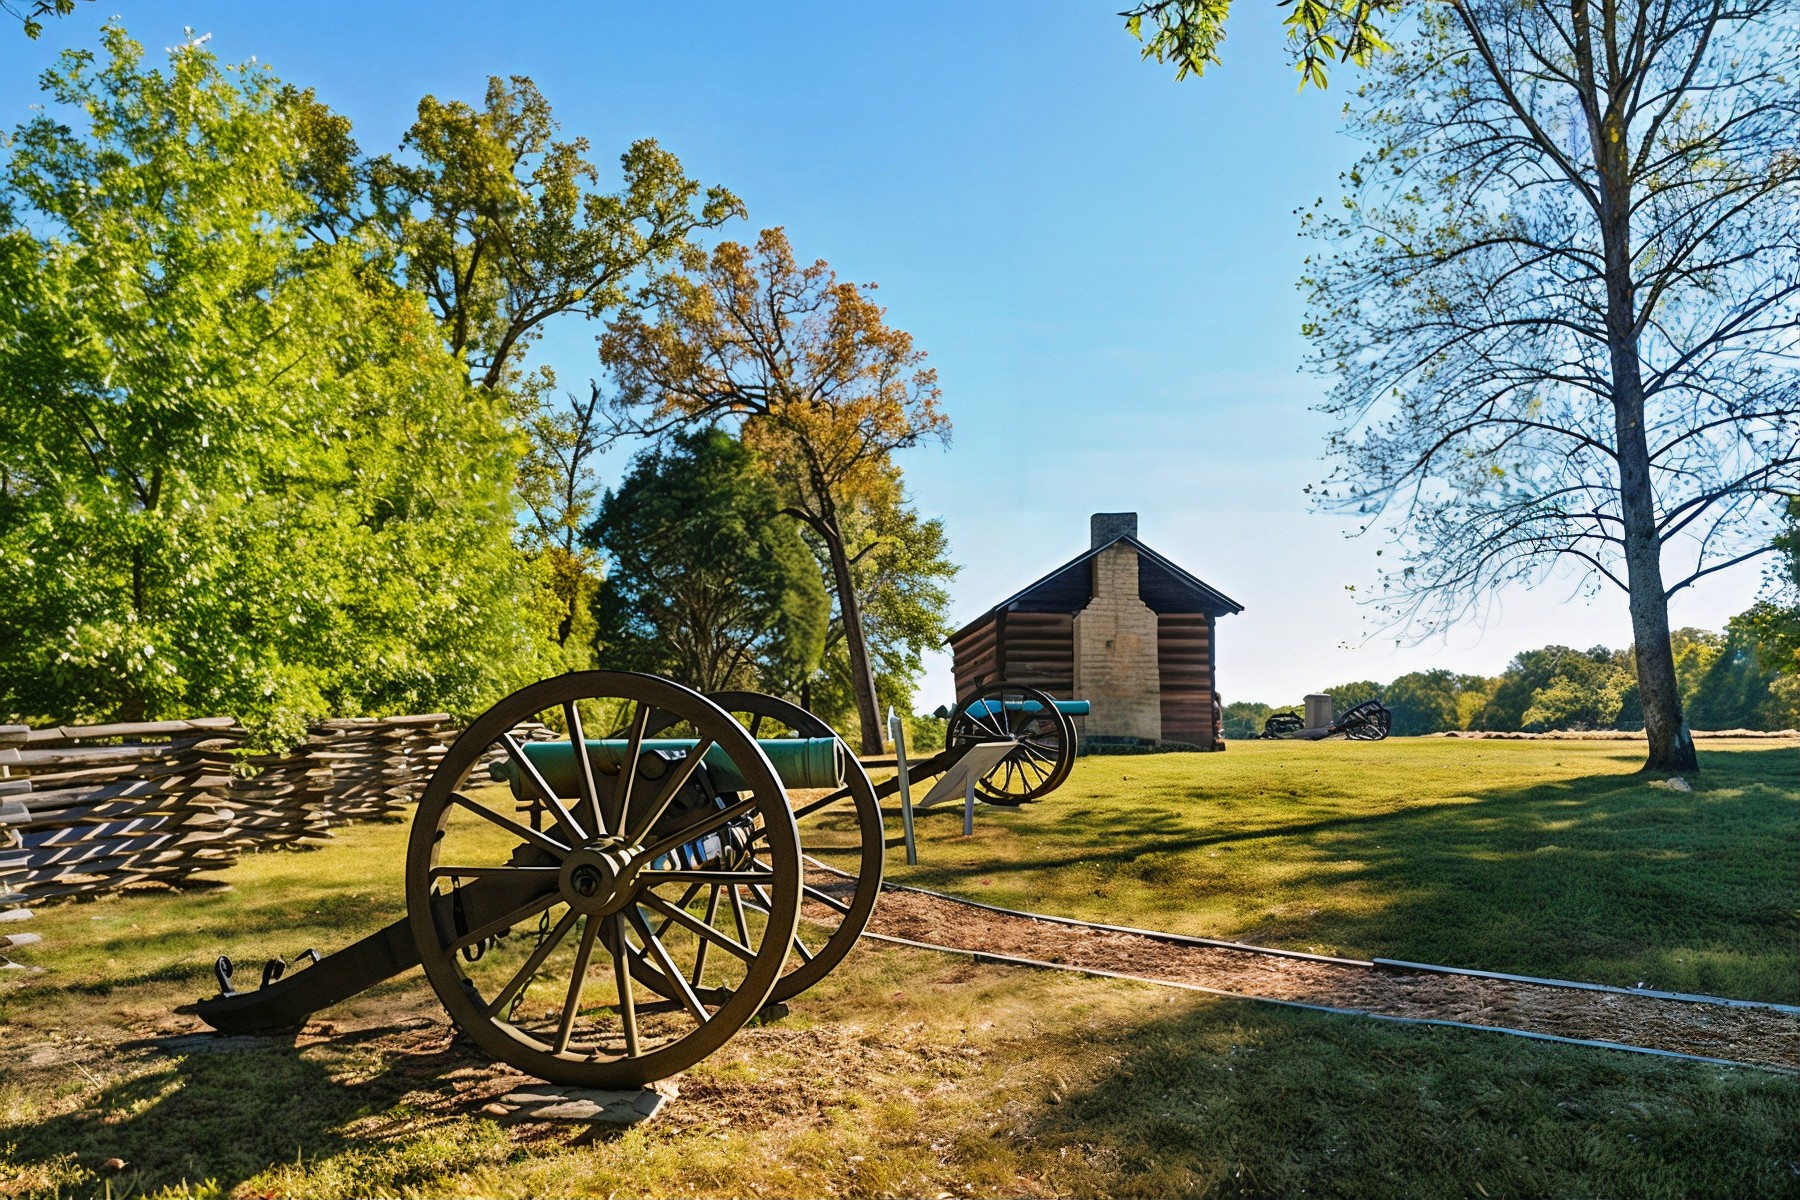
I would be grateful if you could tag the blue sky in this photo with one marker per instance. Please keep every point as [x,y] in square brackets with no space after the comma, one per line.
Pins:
[1100,262]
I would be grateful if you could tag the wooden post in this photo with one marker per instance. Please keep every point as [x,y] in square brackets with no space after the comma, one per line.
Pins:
[897,731]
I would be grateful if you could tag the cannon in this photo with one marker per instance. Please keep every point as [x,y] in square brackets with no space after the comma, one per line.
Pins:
[1370,721]
[607,911]
[1043,728]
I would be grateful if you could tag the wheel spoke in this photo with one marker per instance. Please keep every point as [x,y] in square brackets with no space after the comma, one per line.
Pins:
[830,902]
[622,979]
[693,890]
[621,798]
[654,877]
[577,980]
[486,872]
[542,841]
[701,944]
[584,770]
[737,913]
[640,828]
[519,982]
[530,908]
[535,778]
[656,948]
[808,810]
[699,829]
[687,921]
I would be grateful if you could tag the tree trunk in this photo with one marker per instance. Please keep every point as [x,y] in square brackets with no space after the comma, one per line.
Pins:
[856,643]
[1671,746]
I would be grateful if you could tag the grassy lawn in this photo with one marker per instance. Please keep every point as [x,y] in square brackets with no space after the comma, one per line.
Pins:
[910,1073]
[1542,858]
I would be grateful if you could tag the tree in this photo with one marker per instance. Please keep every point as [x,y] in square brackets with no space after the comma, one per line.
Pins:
[556,482]
[1426,701]
[710,584]
[30,15]
[824,390]
[1188,32]
[238,472]
[500,226]
[1244,719]
[1560,305]
[900,570]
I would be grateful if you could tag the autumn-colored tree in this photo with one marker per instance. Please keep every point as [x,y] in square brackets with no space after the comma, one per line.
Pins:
[824,391]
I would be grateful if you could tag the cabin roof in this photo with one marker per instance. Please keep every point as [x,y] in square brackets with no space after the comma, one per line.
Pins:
[1164,587]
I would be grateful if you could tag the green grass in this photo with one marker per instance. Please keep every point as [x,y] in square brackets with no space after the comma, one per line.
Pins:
[910,1073]
[1542,858]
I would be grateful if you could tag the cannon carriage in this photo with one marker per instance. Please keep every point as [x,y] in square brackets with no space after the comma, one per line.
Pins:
[607,911]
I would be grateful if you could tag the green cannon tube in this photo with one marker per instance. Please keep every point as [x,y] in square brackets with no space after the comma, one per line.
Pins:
[798,762]
[1068,708]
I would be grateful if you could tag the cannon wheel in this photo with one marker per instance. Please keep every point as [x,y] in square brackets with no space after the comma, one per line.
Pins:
[1046,752]
[602,891]
[826,903]
[1369,721]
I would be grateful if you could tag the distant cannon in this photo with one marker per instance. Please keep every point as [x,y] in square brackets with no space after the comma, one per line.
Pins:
[1369,721]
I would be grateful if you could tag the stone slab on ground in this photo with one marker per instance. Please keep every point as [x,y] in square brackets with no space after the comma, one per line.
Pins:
[582,1106]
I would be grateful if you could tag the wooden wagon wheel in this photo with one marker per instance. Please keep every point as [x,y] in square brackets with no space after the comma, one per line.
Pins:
[614,880]
[1046,737]
[842,845]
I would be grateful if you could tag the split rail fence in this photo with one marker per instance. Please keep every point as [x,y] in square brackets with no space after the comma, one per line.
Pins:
[93,808]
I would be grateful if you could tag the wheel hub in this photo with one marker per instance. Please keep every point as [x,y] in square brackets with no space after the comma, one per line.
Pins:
[597,878]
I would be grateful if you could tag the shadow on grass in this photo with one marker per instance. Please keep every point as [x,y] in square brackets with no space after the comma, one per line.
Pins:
[1227,1100]
[1601,878]
[220,1116]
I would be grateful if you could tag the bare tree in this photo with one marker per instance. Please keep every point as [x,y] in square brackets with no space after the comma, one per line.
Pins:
[1561,306]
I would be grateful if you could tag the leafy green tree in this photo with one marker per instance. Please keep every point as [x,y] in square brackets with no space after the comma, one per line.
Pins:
[1244,719]
[31,13]
[1428,701]
[1188,32]
[1735,692]
[238,471]
[1346,696]
[1772,624]
[709,584]
[502,226]
[901,570]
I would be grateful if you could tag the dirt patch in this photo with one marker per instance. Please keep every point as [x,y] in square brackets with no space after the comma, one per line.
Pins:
[1751,1035]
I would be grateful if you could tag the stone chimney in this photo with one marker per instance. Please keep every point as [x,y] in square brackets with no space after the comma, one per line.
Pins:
[1107,527]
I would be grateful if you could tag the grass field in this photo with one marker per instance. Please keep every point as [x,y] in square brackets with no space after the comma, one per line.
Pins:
[910,1073]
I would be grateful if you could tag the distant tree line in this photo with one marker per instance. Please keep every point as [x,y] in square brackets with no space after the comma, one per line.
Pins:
[273,442]
[1747,677]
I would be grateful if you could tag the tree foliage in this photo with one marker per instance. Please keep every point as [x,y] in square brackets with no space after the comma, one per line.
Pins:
[901,570]
[238,472]
[823,390]
[1187,33]
[710,584]
[1559,306]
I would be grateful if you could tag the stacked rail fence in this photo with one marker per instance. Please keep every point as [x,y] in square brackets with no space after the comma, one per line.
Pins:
[93,808]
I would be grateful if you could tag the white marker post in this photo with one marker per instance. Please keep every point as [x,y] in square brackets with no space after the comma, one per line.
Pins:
[969,807]
[897,731]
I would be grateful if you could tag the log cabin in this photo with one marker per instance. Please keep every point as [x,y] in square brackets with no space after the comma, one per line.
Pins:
[1119,626]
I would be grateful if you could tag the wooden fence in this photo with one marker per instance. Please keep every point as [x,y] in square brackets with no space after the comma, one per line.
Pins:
[93,808]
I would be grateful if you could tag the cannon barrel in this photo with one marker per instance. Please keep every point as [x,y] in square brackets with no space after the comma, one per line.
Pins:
[798,762]
[1068,708]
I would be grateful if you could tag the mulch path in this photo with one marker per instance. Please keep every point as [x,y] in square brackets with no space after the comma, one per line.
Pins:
[1763,1036]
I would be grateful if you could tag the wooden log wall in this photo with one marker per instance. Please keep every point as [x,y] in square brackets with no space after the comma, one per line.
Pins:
[87,809]
[975,656]
[1038,650]
[1184,661]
